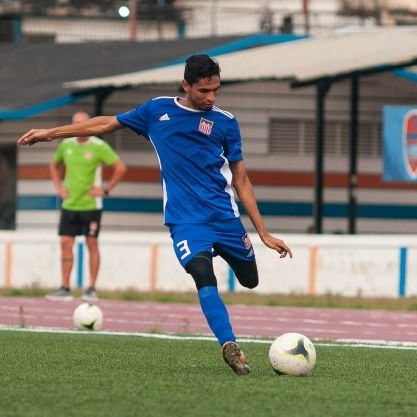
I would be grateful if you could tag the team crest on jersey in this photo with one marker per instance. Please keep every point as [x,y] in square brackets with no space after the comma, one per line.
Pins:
[205,126]
[246,241]
[410,142]
[88,155]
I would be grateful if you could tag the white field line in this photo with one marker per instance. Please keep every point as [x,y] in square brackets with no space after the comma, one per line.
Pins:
[355,343]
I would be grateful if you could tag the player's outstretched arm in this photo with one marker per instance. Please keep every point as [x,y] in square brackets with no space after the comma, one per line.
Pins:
[244,190]
[96,126]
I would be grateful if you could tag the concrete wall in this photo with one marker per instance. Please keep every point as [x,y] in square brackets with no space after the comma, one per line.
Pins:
[369,266]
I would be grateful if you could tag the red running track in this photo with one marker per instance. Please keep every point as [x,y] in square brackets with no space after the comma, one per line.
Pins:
[250,321]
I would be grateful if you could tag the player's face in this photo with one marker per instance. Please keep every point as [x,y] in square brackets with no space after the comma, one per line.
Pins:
[202,94]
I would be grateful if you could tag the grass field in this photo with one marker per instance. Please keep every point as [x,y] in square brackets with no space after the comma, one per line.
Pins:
[52,374]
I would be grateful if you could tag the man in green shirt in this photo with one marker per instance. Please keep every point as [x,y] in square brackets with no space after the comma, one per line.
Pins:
[82,195]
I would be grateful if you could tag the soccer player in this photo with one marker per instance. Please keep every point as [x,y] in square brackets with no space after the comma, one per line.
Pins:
[82,193]
[200,154]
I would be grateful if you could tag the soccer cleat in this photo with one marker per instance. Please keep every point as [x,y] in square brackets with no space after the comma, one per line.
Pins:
[235,358]
[90,295]
[61,294]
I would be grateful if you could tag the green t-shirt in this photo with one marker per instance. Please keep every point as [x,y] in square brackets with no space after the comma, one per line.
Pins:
[83,165]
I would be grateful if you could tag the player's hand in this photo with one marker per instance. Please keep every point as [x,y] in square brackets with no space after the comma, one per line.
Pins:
[96,192]
[34,136]
[63,192]
[276,244]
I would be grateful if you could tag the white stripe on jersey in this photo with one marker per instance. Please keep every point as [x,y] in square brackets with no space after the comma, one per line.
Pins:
[226,113]
[164,188]
[98,183]
[157,98]
[96,140]
[227,174]
[91,139]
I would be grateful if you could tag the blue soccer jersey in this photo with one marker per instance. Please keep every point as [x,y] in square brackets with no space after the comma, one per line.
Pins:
[194,149]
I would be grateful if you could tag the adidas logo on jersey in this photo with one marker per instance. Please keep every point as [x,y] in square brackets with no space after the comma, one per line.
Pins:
[164,117]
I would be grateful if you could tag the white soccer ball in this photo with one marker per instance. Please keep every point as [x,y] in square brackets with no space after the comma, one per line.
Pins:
[292,354]
[88,317]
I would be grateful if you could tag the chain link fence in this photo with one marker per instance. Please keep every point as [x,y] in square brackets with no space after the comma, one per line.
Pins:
[88,20]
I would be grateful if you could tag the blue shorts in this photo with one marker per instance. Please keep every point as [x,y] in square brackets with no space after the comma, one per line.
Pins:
[223,236]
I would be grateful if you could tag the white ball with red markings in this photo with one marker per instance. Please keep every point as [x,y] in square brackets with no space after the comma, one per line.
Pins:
[292,354]
[88,317]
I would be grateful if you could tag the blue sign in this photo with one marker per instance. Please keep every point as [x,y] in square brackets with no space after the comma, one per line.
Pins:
[400,144]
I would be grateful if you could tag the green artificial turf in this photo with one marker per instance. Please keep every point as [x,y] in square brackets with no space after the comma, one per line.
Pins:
[53,374]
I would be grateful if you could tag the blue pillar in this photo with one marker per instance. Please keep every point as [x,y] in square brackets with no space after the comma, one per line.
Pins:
[17,29]
[231,280]
[80,264]
[402,282]
[181,29]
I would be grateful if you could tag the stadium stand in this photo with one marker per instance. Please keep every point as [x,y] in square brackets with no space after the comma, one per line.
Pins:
[277,125]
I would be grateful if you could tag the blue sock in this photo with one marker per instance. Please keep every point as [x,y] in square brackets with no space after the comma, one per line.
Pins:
[216,314]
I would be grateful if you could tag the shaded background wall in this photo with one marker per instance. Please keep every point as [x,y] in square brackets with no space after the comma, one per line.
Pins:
[278,123]
[278,130]
[7,186]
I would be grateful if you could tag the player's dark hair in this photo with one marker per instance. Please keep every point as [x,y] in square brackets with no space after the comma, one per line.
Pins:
[198,67]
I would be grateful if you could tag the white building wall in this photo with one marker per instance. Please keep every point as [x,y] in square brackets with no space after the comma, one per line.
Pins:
[368,266]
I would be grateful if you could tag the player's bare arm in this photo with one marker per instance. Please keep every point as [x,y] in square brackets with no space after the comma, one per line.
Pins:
[119,169]
[55,172]
[244,190]
[96,126]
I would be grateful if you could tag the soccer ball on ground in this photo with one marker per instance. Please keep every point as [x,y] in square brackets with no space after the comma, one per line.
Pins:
[292,354]
[88,317]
